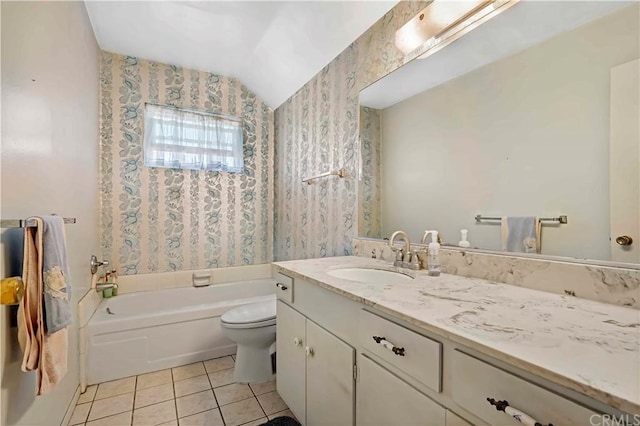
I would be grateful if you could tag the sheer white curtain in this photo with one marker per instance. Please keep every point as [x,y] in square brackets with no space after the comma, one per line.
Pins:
[183,139]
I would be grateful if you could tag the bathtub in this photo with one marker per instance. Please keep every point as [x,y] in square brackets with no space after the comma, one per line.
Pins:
[141,332]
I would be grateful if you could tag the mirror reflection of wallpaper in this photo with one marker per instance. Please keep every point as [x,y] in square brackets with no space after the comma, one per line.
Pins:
[155,219]
[316,131]
[369,188]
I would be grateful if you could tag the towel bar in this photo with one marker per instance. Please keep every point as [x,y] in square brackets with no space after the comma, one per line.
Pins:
[560,219]
[27,223]
[340,173]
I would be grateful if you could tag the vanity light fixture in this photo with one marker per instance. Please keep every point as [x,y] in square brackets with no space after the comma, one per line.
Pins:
[444,21]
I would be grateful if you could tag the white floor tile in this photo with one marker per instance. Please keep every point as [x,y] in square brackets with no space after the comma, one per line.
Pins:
[221,378]
[181,396]
[271,402]
[188,371]
[110,406]
[218,364]
[116,387]
[195,403]
[260,388]
[256,422]
[122,419]
[154,395]
[88,395]
[155,414]
[156,378]
[207,418]
[80,414]
[192,385]
[241,412]
[286,413]
[232,393]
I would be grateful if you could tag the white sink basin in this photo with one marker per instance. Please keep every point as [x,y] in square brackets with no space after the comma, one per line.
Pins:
[370,276]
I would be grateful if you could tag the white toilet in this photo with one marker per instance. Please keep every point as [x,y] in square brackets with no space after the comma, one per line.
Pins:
[253,328]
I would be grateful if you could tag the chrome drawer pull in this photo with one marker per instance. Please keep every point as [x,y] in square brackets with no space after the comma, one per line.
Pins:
[388,345]
[281,286]
[518,415]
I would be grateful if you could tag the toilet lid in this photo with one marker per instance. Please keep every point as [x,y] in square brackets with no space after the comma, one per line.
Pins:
[251,313]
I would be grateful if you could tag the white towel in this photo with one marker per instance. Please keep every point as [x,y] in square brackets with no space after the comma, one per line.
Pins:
[521,234]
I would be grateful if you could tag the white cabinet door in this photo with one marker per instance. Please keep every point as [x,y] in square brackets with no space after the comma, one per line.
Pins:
[454,420]
[384,399]
[330,384]
[290,343]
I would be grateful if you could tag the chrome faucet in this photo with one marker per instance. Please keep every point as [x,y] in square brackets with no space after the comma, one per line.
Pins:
[405,237]
[405,258]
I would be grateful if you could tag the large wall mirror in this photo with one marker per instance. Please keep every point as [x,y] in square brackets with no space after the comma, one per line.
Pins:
[533,113]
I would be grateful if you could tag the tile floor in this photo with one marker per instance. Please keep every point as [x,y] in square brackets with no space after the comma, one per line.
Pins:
[202,393]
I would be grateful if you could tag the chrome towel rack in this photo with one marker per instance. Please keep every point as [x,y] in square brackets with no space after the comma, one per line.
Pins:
[28,223]
[560,219]
[340,173]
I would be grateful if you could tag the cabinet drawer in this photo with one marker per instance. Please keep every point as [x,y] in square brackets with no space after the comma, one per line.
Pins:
[416,355]
[473,381]
[454,420]
[284,287]
[384,399]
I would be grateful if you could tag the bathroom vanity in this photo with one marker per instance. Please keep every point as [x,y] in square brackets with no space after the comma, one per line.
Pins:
[411,349]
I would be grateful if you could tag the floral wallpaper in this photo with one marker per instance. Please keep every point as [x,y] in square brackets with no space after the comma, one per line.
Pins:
[317,130]
[369,223]
[156,219]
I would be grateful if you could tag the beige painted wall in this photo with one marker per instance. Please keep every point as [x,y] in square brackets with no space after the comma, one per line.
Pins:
[49,164]
[527,135]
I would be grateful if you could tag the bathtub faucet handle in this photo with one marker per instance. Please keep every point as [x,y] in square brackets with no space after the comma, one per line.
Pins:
[95,264]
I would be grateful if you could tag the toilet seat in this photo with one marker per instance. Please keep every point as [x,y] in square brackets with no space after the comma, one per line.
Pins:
[252,315]
[249,324]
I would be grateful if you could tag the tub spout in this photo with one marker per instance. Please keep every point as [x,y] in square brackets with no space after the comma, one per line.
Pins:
[104,286]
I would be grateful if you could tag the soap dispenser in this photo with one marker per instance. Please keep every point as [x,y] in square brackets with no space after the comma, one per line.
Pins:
[463,242]
[433,254]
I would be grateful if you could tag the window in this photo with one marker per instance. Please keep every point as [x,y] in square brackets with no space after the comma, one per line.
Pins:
[183,139]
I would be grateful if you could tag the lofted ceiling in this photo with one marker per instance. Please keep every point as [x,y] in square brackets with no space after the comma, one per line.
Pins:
[273,47]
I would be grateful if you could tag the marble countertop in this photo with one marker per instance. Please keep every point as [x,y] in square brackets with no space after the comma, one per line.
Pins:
[590,347]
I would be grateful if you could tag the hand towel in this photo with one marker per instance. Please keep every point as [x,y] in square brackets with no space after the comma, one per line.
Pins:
[521,234]
[42,351]
[55,273]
